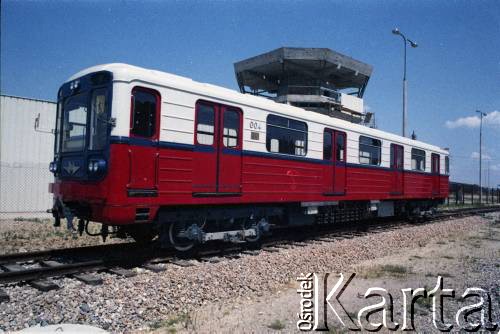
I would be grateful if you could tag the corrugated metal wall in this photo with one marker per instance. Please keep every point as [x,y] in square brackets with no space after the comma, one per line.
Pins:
[25,155]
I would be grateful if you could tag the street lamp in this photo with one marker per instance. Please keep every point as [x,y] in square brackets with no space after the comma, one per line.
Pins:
[396,31]
[481,114]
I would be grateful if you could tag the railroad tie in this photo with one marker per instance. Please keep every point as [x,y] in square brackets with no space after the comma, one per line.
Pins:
[153,267]
[122,272]
[283,246]
[89,279]
[40,284]
[182,263]
[4,297]
[271,249]
[44,285]
[209,259]
[86,278]
[251,252]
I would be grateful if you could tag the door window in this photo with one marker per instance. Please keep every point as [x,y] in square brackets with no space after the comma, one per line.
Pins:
[327,145]
[435,163]
[205,124]
[396,156]
[231,128]
[340,144]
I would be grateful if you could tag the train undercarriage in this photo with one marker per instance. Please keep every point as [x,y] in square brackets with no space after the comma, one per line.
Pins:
[185,227]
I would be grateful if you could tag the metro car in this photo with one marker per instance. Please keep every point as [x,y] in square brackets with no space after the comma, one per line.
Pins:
[155,154]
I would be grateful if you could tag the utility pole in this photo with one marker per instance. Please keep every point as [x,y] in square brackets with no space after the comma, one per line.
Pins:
[481,114]
[488,176]
[396,31]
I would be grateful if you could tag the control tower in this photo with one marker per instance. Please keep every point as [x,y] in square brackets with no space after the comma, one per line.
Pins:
[316,79]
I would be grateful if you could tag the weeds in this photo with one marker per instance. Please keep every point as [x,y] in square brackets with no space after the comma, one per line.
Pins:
[277,325]
[182,320]
[394,270]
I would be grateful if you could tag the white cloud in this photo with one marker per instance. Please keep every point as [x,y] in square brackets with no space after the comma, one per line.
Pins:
[468,122]
[491,119]
[475,155]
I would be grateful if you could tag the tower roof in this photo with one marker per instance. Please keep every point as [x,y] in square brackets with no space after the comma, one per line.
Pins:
[266,71]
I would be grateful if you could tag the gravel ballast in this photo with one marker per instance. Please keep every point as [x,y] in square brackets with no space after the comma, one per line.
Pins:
[141,302]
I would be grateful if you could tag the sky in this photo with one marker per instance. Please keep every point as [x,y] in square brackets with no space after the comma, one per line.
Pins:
[453,72]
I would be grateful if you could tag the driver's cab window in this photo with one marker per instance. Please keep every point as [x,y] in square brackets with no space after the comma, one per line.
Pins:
[145,103]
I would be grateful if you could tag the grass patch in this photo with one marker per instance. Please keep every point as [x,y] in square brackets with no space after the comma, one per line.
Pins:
[277,325]
[170,325]
[393,270]
[416,257]
[441,242]
[448,257]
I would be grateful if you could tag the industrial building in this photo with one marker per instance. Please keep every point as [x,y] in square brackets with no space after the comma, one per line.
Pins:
[25,154]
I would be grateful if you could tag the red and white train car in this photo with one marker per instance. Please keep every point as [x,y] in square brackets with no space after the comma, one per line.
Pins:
[153,152]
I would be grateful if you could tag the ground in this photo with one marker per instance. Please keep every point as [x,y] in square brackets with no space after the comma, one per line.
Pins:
[466,259]
[26,235]
[257,293]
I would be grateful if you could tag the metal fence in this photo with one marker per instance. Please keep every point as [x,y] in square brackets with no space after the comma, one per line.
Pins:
[462,194]
[24,190]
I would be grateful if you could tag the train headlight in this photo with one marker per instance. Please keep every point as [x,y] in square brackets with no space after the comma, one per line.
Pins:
[98,165]
[53,167]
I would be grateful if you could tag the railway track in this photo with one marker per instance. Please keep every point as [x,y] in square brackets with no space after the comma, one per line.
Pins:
[84,263]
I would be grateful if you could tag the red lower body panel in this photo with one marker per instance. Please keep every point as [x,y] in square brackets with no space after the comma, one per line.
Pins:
[264,179]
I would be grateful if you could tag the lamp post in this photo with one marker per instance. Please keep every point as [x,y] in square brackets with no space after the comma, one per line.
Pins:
[396,31]
[481,114]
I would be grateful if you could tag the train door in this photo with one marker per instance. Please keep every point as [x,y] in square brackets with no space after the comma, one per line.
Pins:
[435,166]
[144,128]
[229,151]
[334,149]
[397,166]
[217,152]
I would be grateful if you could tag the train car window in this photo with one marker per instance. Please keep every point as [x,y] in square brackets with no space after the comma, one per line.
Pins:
[447,165]
[231,128]
[417,159]
[327,145]
[144,106]
[369,151]
[340,137]
[205,124]
[286,135]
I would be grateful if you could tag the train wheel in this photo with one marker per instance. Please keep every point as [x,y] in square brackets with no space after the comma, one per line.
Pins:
[179,243]
[252,242]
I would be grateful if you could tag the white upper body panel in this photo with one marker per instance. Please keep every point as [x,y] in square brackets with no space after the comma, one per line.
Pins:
[179,96]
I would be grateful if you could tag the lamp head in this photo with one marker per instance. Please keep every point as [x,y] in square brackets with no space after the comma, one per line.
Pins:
[395,31]
[413,44]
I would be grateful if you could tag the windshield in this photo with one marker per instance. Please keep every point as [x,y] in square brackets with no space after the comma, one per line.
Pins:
[75,119]
[74,123]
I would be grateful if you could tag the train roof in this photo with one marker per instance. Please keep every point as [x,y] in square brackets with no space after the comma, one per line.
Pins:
[128,73]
